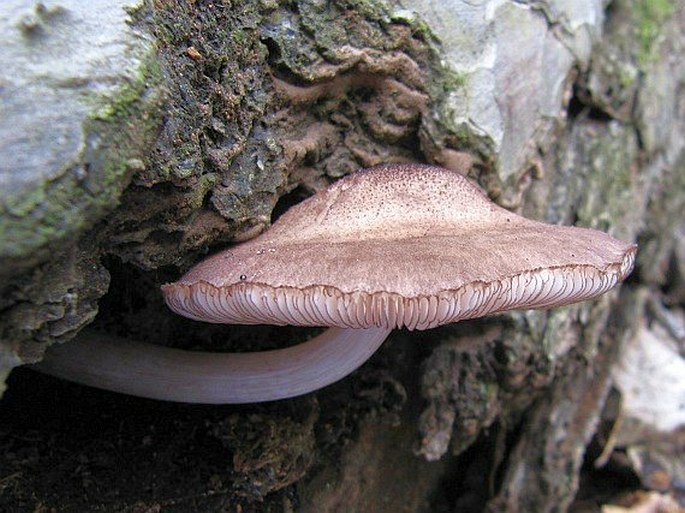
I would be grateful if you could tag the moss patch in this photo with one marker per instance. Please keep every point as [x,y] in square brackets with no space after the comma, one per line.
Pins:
[37,222]
[650,16]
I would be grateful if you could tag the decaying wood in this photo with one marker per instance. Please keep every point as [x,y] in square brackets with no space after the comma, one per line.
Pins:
[220,117]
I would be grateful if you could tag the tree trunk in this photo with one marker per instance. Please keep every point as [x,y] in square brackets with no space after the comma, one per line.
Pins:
[136,140]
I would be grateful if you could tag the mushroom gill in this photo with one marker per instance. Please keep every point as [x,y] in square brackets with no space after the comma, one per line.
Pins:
[399,246]
[394,246]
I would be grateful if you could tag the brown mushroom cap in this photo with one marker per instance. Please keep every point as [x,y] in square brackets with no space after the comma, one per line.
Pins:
[399,245]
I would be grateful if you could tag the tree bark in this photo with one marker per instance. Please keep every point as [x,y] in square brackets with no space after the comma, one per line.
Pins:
[188,126]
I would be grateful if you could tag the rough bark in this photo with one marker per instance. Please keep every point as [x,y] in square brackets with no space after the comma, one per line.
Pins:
[215,117]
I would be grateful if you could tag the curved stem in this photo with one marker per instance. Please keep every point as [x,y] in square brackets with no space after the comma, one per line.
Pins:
[157,372]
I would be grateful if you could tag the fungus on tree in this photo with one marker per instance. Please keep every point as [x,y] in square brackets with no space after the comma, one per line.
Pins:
[393,246]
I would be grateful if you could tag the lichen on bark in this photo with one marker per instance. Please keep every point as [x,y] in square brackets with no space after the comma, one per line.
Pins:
[266,102]
[69,149]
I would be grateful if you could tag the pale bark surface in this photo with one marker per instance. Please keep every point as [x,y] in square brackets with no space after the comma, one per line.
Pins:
[216,115]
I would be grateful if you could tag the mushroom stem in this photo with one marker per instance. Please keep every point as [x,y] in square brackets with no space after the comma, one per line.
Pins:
[157,372]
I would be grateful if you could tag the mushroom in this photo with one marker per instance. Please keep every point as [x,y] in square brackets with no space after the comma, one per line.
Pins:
[393,246]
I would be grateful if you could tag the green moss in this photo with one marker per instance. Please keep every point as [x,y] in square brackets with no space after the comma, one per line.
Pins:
[114,137]
[122,129]
[122,104]
[418,24]
[453,80]
[607,180]
[201,189]
[627,76]
[650,16]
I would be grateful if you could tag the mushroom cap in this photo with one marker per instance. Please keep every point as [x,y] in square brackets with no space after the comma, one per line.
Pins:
[399,245]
